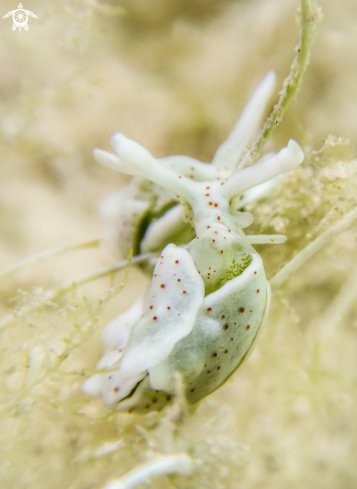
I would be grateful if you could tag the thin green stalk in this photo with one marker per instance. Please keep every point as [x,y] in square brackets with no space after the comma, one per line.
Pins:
[312,249]
[310,14]
[52,294]
[42,255]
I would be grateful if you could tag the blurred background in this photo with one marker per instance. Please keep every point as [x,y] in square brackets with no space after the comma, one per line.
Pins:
[173,75]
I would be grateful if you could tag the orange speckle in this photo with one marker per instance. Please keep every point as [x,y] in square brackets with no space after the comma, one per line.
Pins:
[223,316]
[154,318]
[218,218]
[184,291]
[151,307]
[176,261]
[209,308]
[206,195]
[221,252]
[241,309]
[179,176]
[258,291]
[168,308]
[208,227]
[116,389]
[213,240]
[207,187]
[215,204]
[229,230]
[255,273]
[162,286]
[210,203]
[247,327]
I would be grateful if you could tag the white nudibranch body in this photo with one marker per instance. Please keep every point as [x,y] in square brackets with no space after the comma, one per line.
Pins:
[207,301]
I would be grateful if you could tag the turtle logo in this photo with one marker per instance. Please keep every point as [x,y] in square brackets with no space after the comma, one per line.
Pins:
[20,17]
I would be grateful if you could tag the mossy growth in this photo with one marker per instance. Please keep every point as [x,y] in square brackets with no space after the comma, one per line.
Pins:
[235,269]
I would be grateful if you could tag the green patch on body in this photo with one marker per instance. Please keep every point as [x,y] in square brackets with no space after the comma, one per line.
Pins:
[235,269]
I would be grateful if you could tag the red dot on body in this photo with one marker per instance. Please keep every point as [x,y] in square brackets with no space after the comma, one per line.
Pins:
[151,307]
[213,240]
[241,309]
[116,389]
[221,252]
[257,291]
[255,273]
[168,308]
[162,286]
[225,326]
[216,205]
[210,203]
[218,218]
[176,261]
[184,291]
[225,352]
[209,308]
[223,316]
[154,318]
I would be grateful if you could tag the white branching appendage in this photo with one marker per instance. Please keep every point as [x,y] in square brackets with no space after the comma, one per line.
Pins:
[180,464]
[209,299]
